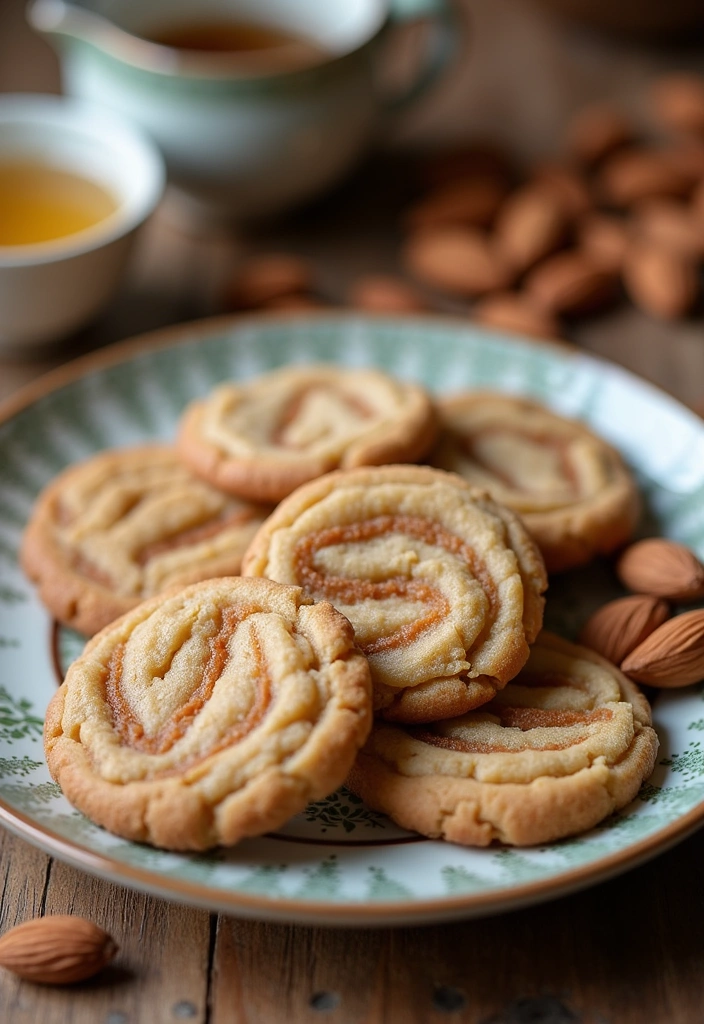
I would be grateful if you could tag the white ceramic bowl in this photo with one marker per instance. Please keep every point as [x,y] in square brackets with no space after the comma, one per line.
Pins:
[49,289]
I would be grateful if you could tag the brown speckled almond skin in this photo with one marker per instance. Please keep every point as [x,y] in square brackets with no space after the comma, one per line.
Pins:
[261,439]
[209,715]
[125,525]
[442,585]
[565,744]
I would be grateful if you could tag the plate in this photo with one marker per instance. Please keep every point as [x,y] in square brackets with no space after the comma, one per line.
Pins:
[338,862]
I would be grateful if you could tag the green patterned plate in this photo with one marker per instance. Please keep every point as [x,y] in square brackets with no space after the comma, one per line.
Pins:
[337,862]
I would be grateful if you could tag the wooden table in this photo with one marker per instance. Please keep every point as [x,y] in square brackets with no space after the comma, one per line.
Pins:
[626,952]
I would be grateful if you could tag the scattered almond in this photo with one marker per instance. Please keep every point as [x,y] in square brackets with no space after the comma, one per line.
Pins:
[661,281]
[379,293]
[604,239]
[56,950]
[673,655]
[461,261]
[472,202]
[678,101]
[264,278]
[597,131]
[566,185]
[670,224]
[569,283]
[531,224]
[512,311]
[640,174]
[662,568]
[618,627]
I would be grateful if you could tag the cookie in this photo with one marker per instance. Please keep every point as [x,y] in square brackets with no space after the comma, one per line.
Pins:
[211,714]
[263,438]
[126,525]
[572,490]
[566,743]
[442,585]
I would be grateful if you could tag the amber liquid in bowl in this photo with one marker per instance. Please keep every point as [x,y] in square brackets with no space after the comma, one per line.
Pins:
[40,203]
[230,37]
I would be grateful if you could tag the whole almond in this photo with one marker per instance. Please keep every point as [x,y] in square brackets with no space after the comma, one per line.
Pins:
[678,102]
[472,202]
[596,131]
[698,204]
[531,224]
[512,311]
[56,950]
[640,174]
[660,280]
[569,283]
[566,185]
[380,293]
[267,277]
[604,239]
[673,655]
[460,261]
[616,628]
[662,568]
[670,224]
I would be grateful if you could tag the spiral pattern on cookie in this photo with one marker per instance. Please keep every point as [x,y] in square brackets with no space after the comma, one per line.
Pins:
[265,437]
[215,713]
[571,488]
[127,525]
[564,744]
[442,585]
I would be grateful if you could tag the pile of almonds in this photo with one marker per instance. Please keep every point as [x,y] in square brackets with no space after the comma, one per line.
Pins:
[528,252]
[617,213]
[637,632]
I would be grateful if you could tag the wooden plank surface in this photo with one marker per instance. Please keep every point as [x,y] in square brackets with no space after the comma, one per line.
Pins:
[625,952]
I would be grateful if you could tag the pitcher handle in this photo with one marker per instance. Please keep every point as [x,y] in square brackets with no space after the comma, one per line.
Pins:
[442,46]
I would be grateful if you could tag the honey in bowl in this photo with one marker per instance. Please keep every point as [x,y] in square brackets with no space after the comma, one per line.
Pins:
[40,203]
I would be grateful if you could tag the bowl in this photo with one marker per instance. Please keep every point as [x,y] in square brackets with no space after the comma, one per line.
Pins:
[48,289]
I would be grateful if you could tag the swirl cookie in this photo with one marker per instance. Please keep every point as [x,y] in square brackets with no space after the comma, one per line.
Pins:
[263,438]
[570,487]
[126,525]
[442,585]
[568,741]
[212,714]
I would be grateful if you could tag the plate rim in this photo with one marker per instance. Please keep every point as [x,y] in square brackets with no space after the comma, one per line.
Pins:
[290,909]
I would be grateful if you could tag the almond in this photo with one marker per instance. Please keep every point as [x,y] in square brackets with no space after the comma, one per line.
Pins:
[616,628]
[56,950]
[566,185]
[569,283]
[379,293]
[511,311]
[268,277]
[661,281]
[698,204]
[596,131]
[461,261]
[640,174]
[661,568]
[673,655]
[531,224]
[472,202]
[670,224]
[604,239]
[678,102]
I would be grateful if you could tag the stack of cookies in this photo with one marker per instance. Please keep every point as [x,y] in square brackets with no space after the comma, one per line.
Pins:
[381,624]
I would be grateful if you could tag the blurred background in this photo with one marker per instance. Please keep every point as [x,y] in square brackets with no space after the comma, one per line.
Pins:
[507,109]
